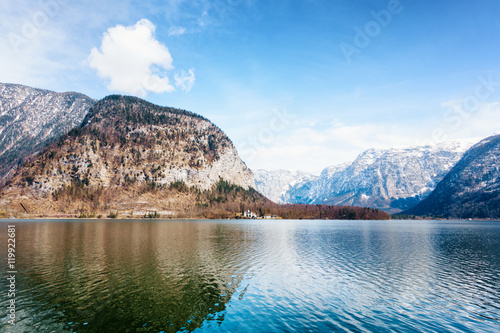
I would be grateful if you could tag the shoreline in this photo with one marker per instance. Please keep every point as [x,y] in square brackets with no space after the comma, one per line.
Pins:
[76,218]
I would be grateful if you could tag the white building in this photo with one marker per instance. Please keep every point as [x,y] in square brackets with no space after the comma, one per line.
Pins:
[249,214]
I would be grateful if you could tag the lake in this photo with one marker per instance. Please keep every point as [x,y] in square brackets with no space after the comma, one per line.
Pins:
[253,276]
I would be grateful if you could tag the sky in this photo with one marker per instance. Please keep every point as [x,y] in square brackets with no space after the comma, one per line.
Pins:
[296,85]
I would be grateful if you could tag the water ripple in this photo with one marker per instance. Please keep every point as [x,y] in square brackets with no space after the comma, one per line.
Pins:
[256,276]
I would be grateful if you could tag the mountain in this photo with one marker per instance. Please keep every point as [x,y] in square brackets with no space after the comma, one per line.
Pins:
[275,184]
[390,179]
[31,117]
[131,158]
[471,189]
[310,191]
[124,147]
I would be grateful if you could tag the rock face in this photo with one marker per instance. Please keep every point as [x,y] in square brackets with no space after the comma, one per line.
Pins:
[125,140]
[30,117]
[392,179]
[275,184]
[471,189]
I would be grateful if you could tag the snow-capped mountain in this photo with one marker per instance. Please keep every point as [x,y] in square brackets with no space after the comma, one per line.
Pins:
[312,191]
[471,189]
[390,179]
[275,184]
[30,117]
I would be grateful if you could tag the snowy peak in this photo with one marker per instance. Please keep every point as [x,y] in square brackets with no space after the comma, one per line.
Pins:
[31,117]
[275,184]
[328,172]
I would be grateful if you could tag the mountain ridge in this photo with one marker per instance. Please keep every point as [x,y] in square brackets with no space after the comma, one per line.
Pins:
[117,122]
[472,187]
[31,117]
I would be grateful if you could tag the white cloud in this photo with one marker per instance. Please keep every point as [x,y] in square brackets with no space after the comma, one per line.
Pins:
[457,122]
[204,20]
[133,60]
[175,31]
[185,81]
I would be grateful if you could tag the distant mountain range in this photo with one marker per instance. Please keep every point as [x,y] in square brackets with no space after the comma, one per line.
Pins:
[31,117]
[391,179]
[471,189]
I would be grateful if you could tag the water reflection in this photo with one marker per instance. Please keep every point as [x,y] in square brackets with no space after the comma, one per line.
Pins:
[254,276]
[125,276]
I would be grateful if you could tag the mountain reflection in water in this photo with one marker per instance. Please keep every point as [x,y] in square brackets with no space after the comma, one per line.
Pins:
[125,276]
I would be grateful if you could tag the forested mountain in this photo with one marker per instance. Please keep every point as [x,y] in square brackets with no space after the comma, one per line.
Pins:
[127,144]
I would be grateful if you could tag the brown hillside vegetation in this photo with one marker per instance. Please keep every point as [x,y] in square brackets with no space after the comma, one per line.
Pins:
[177,200]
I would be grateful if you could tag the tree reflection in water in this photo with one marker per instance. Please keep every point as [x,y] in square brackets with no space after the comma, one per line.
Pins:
[126,276]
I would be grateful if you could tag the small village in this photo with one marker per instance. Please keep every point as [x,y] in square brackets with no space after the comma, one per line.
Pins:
[248,214]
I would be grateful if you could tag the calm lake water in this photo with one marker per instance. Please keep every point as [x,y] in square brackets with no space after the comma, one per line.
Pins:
[254,276]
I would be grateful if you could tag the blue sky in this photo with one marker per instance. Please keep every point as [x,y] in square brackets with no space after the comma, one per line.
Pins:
[295,84]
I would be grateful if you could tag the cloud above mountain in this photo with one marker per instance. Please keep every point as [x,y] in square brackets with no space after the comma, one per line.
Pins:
[185,81]
[133,61]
